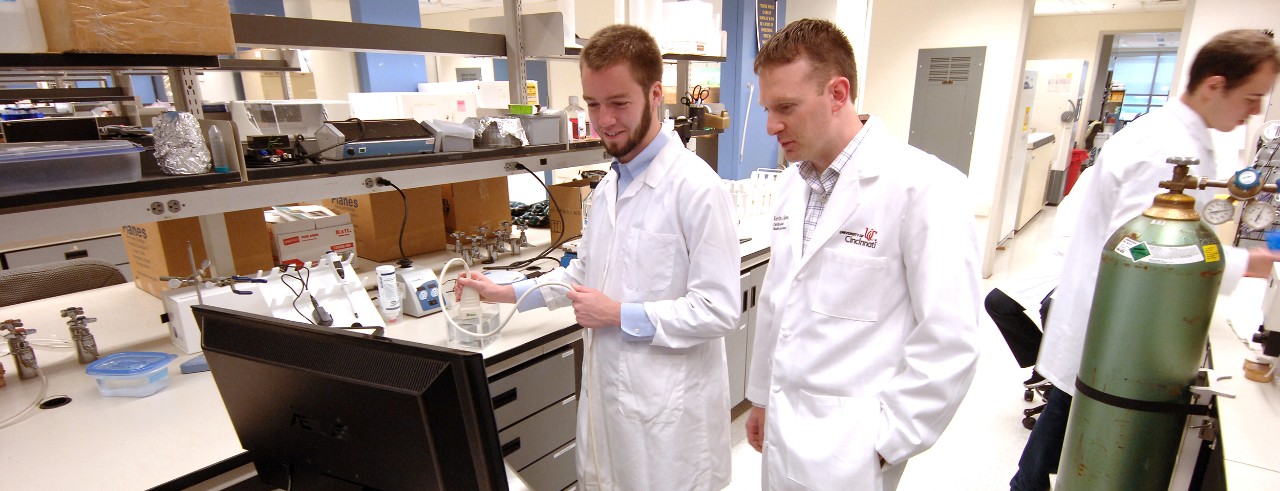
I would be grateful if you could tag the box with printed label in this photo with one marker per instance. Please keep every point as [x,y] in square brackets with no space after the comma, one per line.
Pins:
[378,217]
[304,233]
[159,249]
[472,204]
[566,209]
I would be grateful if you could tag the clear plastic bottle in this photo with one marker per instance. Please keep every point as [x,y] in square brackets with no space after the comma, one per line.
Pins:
[586,207]
[579,127]
[388,293]
[217,150]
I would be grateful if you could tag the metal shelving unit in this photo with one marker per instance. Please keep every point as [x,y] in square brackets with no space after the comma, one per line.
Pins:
[97,207]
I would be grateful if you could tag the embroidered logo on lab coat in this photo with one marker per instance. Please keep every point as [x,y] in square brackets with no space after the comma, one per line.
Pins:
[865,239]
[780,222]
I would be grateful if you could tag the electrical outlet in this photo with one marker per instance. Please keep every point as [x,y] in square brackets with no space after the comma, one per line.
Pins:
[157,208]
[512,166]
[175,206]
[370,183]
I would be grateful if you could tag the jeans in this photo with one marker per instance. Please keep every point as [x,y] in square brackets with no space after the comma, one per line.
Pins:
[1044,446]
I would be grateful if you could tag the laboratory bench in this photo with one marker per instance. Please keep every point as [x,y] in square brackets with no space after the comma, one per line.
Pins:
[182,438]
[1247,423]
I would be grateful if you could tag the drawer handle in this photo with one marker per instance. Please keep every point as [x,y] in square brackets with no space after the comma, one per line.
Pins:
[563,451]
[77,254]
[510,447]
[504,398]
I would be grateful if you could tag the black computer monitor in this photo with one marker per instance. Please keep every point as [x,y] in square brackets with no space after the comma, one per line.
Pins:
[323,408]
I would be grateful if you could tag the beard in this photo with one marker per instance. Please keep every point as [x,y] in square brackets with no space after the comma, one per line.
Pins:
[638,133]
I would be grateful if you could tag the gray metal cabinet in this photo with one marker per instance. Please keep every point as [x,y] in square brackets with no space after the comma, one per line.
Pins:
[109,248]
[738,345]
[553,472]
[535,405]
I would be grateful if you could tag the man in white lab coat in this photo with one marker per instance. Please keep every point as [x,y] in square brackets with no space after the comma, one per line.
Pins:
[656,285]
[864,346]
[1228,80]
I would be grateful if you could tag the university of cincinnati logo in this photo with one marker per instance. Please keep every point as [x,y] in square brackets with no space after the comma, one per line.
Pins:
[865,239]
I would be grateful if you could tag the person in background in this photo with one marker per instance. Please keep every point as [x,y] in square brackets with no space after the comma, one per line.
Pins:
[1228,80]
[865,342]
[656,285]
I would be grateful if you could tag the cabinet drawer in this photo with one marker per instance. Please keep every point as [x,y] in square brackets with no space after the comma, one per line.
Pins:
[529,440]
[524,391]
[553,472]
[109,249]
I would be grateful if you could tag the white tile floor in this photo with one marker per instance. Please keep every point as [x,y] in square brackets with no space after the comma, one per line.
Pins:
[980,449]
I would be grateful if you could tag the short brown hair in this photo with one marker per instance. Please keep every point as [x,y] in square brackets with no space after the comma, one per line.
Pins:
[621,43]
[1235,55]
[821,42]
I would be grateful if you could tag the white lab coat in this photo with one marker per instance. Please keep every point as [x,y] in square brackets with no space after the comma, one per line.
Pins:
[1116,189]
[656,415]
[866,343]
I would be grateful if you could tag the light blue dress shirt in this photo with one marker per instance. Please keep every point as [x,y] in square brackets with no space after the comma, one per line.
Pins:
[636,326]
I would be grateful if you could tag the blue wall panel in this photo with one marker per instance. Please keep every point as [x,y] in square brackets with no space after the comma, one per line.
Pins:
[258,7]
[382,72]
[761,150]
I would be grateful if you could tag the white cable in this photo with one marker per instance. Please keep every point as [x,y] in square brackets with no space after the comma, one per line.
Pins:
[746,116]
[449,317]
[51,343]
[588,355]
[44,390]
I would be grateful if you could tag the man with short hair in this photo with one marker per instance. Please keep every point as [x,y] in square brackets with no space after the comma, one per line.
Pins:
[1228,80]
[864,344]
[655,284]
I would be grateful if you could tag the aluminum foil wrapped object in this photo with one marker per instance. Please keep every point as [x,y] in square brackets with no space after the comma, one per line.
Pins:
[498,132]
[179,146]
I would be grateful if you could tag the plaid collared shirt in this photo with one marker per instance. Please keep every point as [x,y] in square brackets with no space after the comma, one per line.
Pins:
[821,185]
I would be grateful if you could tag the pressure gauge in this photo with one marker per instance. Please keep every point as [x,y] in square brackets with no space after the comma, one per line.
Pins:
[1258,215]
[1218,211]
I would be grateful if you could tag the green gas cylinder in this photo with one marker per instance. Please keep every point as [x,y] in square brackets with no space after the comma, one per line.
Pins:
[1156,290]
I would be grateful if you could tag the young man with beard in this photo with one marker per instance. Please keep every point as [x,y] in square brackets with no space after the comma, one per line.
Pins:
[655,284]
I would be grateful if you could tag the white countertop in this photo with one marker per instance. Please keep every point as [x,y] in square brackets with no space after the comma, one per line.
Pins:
[108,443]
[1248,422]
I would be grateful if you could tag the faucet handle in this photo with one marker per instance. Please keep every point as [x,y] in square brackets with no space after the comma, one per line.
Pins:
[72,312]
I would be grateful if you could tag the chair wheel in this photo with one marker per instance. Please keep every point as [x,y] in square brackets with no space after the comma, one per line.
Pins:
[1028,395]
[1028,422]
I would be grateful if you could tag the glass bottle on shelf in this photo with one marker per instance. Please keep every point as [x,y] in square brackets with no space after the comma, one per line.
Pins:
[579,127]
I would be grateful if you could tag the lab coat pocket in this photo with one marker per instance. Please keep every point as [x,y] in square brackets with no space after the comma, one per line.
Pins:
[652,384]
[652,261]
[832,442]
[850,286]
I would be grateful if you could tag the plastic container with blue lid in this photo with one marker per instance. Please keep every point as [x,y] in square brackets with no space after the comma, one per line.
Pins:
[131,373]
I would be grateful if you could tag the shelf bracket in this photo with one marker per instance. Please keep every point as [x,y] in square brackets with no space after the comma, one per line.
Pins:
[516,72]
[186,91]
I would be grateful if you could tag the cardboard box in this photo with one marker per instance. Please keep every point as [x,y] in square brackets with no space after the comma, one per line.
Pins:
[377,218]
[189,27]
[472,204]
[568,199]
[160,248]
[304,233]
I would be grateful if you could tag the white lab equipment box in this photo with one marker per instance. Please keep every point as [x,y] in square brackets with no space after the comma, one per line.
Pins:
[300,234]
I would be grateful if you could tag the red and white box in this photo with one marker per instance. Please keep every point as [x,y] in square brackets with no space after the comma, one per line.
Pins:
[304,233]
